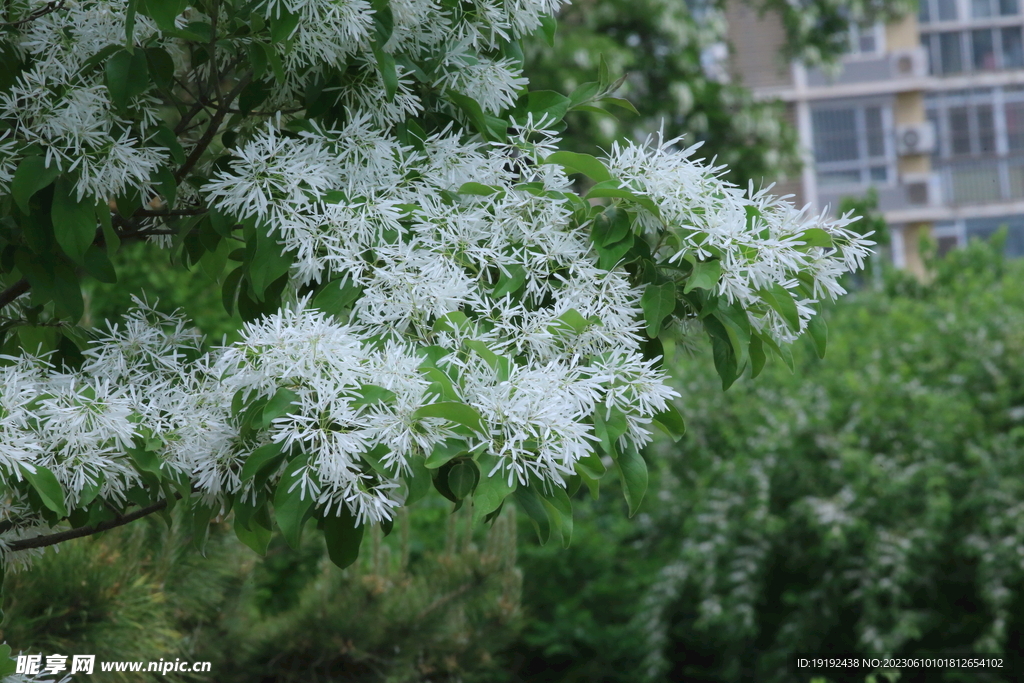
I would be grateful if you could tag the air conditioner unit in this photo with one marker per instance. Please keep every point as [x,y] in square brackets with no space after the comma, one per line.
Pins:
[922,189]
[917,138]
[909,63]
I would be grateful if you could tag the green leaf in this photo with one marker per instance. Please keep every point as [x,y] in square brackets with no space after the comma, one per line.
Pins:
[657,302]
[280,404]
[531,503]
[229,291]
[383,20]
[201,514]
[258,60]
[548,24]
[612,188]
[780,299]
[258,458]
[484,351]
[611,226]
[374,458]
[449,322]
[46,485]
[418,481]
[490,127]
[166,184]
[276,65]
[572,162]
[164,12]
[99,266]
[818,331]
[570,322]
[816,237]
[462,478]
[611,255]
[388,71]
[479,189]
[343,537]
[147,461]
[161,70]
[440,385]
[633,474]
[726,363]
[592,109]
[74,222]
[111,241]
[559,509]
[671,422]
[32,175]
[547,103]
[757,355]
[737,327]
[290,505]
[39,340]
[491,490]
[445,451]
[369,394]
[254,536]
[510,282]
[283,24]
[127,76]
[705,275]
[590,470]
[453,411]
[621,103]
[609,427]
[268,264]
[8,665]
[585,92]
[91,489]
[604,78]
[336,296]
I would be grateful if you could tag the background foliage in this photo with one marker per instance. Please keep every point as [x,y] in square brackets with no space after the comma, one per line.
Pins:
[868,502]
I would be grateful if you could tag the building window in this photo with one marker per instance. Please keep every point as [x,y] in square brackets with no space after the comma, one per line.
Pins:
[866,40]
[981,9]
[986,49]
[980,155]
[1013,48]
[1014,112]
[851,145]
[937,10]
[950,61]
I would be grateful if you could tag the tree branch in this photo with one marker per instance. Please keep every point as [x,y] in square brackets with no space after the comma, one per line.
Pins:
[42,12]
[14,291]
[80,532]
[212,128]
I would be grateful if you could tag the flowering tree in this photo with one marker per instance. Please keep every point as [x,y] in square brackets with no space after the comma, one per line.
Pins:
[430,300]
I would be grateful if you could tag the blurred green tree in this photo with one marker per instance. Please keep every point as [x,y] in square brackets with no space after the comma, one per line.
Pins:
[866,503]
[671,56]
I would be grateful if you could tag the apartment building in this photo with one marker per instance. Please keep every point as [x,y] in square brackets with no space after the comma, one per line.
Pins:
[928,110]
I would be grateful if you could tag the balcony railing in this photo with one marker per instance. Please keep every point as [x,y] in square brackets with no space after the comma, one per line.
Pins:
[981,181]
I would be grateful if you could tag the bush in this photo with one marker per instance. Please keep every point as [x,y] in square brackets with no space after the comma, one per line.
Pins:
[864,503]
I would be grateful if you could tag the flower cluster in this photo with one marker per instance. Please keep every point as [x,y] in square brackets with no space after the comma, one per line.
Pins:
[760,240]
[443,293]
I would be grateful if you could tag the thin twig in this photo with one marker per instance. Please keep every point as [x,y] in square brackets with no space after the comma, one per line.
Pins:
[80,532]
[212,129]
[42,12]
